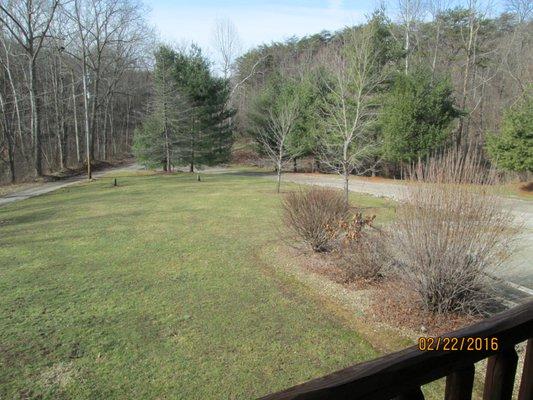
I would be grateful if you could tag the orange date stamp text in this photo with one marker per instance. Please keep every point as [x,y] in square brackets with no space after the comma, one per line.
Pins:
[458,344]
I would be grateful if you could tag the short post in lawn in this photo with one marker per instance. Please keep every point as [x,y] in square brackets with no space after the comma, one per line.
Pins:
[115,182]
[198,178]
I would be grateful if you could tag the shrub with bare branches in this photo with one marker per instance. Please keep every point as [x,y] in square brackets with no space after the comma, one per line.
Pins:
[365,257]
[450,232]
[315,216]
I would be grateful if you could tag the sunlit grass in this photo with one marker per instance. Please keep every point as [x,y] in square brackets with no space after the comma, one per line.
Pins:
[157,289]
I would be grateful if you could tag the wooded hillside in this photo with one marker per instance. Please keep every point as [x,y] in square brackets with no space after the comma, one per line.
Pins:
[478,63]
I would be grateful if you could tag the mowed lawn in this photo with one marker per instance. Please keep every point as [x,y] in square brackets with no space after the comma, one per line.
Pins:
[157,289]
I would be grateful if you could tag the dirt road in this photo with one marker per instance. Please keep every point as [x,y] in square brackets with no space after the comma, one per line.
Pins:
[47,187]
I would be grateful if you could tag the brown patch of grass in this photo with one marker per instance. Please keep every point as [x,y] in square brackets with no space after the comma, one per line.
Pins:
[60,375]
[394,303]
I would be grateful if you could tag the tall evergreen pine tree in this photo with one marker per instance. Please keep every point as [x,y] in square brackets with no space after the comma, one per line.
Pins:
[189,123]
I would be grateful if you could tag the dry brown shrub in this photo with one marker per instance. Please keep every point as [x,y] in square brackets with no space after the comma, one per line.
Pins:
[449,232]
[365,258]
[362,249]
[315,215]
[320,218]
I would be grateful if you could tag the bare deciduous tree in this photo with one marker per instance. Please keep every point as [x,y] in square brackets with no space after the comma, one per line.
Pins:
[475,16]
[106,32]
[521,8]
[227,43]
[349,109]
[409,11]
[435,8]
[280,123]
[28,22]
[64,63]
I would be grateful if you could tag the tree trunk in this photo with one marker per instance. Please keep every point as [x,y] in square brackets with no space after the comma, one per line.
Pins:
[11,154]
[104,133]
[168,166]
[279,176]
[128,123]
[35,122]
[15,101]
[75,113]
[93,124]
[59,118]
[434,64]
[191,166]
[460,132]
[347,187]
[407,44]
[87,131]
[112,131]
[10,144]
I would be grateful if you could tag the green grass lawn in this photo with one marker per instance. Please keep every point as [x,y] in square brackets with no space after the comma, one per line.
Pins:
[157,289]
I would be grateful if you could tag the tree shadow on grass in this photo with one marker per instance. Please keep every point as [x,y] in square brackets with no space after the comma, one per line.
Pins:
[28,217]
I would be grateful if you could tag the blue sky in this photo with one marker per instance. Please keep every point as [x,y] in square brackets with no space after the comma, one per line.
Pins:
[257,21]
[261,21]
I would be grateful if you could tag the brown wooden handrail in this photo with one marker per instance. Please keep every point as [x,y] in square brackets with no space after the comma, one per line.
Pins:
[400,375]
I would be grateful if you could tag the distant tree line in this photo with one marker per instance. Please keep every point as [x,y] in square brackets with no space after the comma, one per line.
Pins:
[377,97]
[78,77]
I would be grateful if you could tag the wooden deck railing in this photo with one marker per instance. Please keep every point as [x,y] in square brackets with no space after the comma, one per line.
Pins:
[400,375]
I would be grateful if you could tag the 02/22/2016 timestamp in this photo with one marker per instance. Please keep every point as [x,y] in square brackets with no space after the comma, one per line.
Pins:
[458,344]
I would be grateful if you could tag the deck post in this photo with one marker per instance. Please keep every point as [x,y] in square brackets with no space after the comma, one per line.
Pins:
[460,383]
[501,370]
[526,383]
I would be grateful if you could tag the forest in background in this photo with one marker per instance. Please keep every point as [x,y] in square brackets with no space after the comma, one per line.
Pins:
[77,78]
[446,77]
[74,81]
